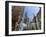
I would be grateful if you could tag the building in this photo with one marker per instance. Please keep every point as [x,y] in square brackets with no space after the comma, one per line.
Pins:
[17,12]
[35,24]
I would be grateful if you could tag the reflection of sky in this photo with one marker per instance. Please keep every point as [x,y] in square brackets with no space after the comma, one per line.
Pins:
[31,11]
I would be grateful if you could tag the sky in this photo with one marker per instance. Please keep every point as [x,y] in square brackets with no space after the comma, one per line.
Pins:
[31,11]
